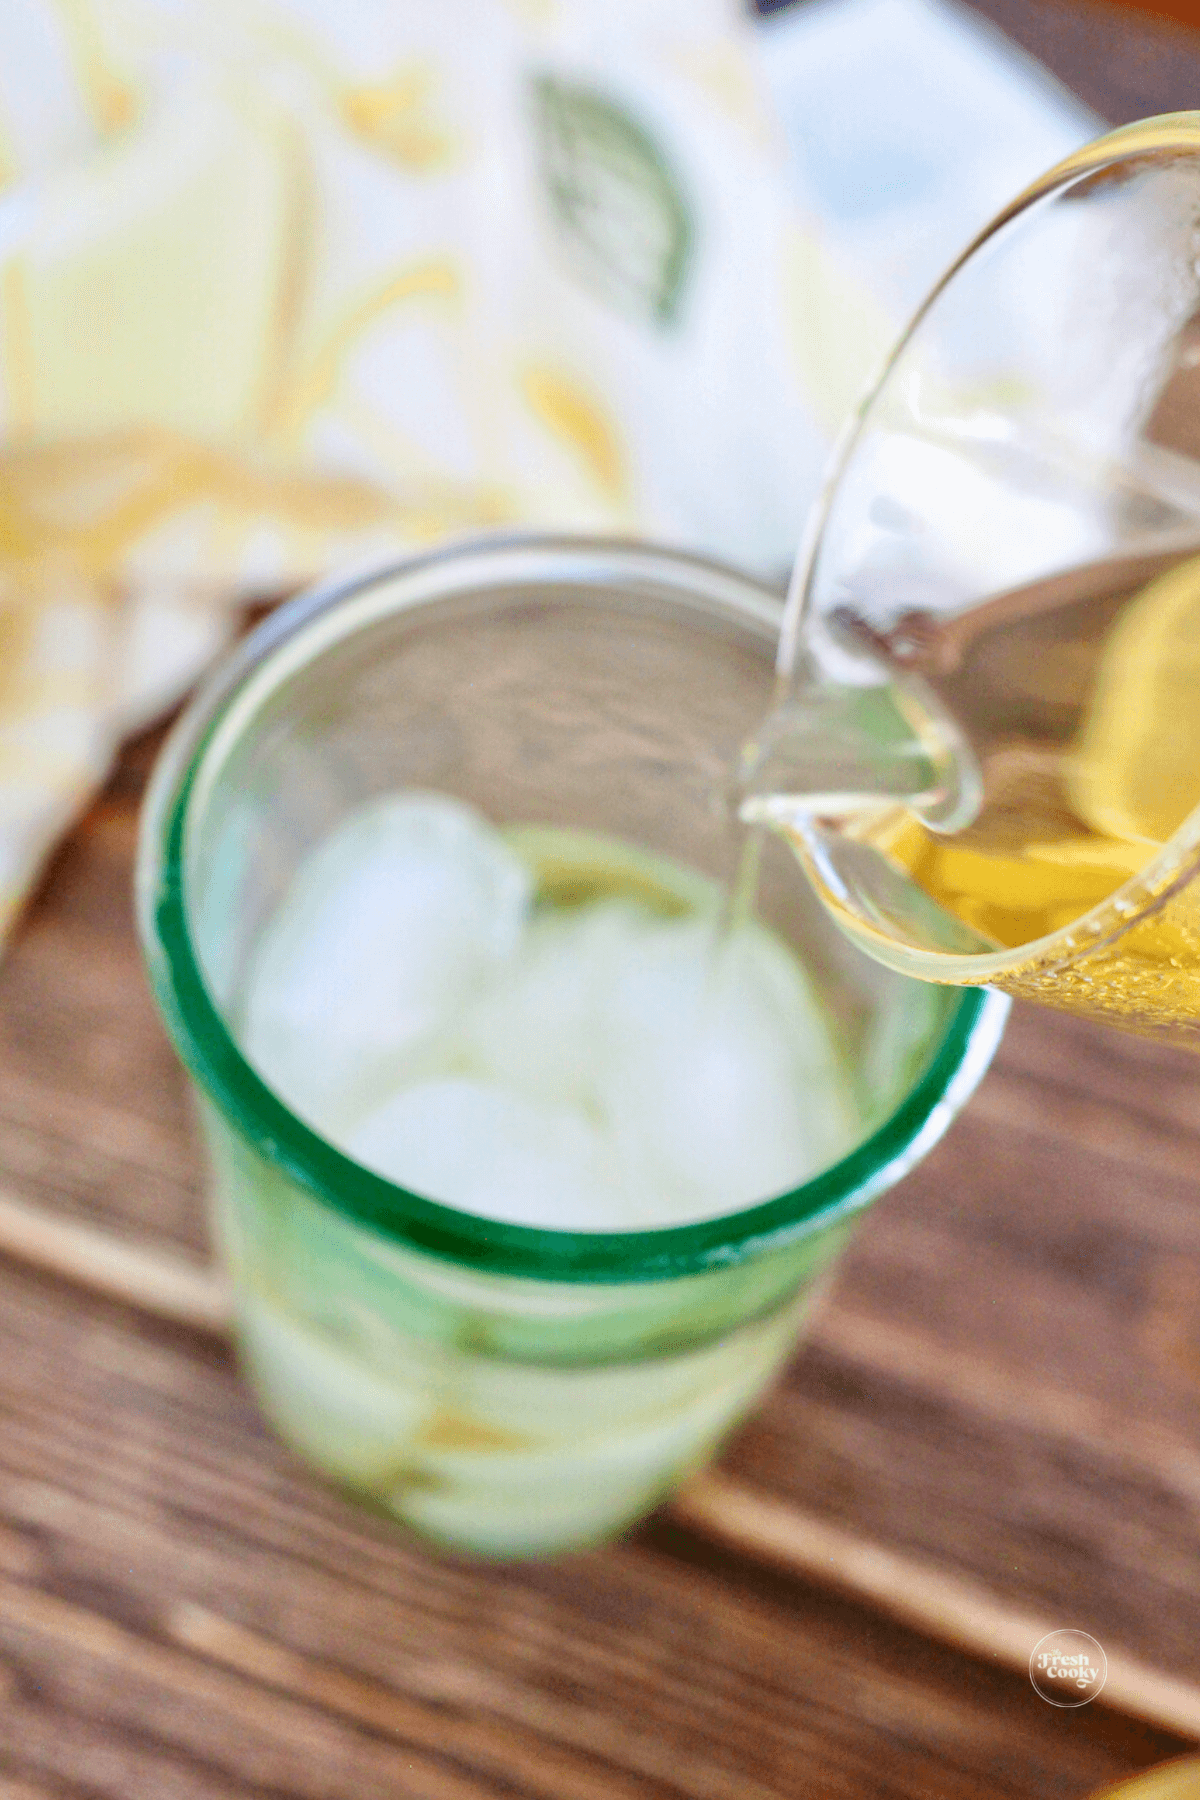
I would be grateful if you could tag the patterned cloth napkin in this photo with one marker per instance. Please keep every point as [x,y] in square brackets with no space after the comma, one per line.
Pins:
[287,287]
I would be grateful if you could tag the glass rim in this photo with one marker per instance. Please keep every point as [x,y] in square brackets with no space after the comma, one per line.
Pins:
[1174,863]
[256,1114]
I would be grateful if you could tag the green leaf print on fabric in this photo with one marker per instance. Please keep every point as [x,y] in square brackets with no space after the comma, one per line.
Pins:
[618,205]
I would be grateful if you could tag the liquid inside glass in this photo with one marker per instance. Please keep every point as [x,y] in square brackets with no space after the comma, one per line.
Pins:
[1081,695]
[528,1161]
[539,1025]
[548,1027]
[1094,766]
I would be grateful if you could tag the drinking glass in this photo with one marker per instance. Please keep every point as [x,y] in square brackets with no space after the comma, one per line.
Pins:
[987,744]
[505,1389]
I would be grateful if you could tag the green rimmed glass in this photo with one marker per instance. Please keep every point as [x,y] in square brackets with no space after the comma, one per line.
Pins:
[502,1388]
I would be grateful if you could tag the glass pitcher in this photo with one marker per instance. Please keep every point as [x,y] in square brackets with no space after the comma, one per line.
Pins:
[986,743]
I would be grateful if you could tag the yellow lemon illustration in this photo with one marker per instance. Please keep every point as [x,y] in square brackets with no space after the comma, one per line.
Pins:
[576,417]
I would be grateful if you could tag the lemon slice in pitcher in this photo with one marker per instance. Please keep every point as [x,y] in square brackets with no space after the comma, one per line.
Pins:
[1016,897]
[1136,773]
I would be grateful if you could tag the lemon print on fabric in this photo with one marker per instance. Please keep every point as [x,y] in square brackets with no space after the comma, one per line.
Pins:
[620,212]
[576,417]
[112,101]
[394,116]
[1136,773]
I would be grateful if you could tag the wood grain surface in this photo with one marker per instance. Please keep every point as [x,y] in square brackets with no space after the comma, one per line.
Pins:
[1004,1387]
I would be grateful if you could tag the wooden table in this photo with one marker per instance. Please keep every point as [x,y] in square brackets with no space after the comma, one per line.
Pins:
[1003,1393]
